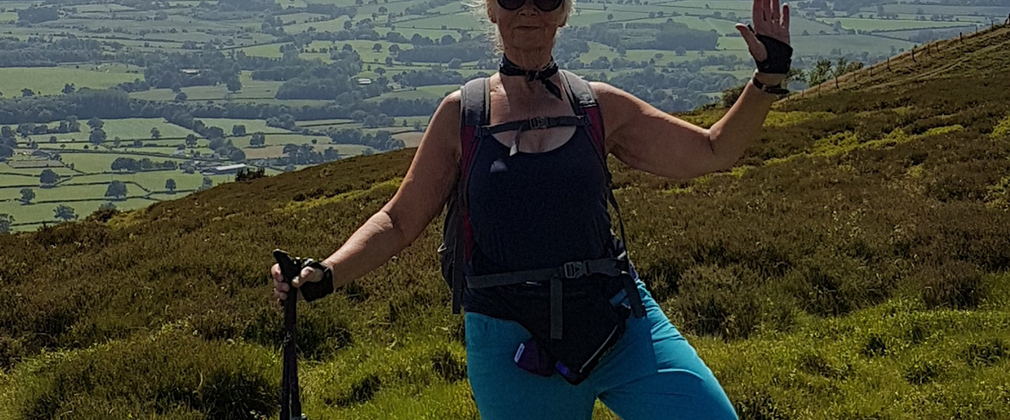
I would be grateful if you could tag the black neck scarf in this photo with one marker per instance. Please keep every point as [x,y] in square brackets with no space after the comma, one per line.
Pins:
[508,68]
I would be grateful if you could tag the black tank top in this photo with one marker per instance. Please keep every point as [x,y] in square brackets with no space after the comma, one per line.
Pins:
[532,211]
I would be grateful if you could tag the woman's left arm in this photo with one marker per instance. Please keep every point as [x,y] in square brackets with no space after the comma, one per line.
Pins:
[651,140]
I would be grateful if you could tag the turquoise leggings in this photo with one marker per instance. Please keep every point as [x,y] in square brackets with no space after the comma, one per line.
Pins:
[651,373]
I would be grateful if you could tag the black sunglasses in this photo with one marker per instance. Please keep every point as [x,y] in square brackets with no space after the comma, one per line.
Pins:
[544,5]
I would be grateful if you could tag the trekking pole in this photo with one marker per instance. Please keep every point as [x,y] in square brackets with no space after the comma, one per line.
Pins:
[291,405]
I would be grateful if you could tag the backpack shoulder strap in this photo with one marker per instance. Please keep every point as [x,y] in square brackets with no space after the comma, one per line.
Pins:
[583,100]
[474,114]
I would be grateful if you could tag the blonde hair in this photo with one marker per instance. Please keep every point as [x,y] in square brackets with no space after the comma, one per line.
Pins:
[480,9]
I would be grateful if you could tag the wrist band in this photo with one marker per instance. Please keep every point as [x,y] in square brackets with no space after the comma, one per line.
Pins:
[776,89]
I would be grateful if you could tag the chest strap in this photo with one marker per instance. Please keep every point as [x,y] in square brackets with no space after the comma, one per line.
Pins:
[537,123]
[569,270]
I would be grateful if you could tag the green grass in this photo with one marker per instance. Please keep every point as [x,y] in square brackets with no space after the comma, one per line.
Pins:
[251,126]
[258,90]
[333,25]
[809,45]
[140,128]
[423,92]
[102,162]
[50,80]
[458,20]
[928,9]
[887,25]
[45,212]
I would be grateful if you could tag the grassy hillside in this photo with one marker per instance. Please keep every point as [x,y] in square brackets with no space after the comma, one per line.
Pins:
[852,266]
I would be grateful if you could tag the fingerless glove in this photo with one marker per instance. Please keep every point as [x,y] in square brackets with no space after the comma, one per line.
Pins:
[779,55]
[313,290]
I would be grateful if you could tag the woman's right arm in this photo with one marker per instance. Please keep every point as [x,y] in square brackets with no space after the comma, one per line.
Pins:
[420,198]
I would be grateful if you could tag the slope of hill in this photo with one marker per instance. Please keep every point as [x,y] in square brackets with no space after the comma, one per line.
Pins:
[852,266]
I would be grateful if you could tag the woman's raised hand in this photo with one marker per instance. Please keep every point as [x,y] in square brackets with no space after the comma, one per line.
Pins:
[768,21]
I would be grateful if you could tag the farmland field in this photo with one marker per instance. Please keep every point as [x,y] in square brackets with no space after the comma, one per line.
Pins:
[166,40]
[41,80]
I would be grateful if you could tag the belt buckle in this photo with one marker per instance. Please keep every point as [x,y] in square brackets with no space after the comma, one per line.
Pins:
[574,269]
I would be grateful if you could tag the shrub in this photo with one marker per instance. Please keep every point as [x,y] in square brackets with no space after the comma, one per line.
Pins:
[158,374]
[361,391]
[447,366]
[874,346]
[923,371]
[760,406]
[986,353]
[954,284]
[718,301]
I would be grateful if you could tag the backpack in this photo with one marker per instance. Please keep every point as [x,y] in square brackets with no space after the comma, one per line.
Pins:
[475,116]
[458,243]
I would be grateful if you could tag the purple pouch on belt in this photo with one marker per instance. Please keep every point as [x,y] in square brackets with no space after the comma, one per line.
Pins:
[531,358]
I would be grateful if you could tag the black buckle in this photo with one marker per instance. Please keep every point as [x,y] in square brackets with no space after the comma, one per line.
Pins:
[573,269]
[537,123]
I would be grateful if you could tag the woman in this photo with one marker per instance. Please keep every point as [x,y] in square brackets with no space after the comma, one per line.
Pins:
[652,372]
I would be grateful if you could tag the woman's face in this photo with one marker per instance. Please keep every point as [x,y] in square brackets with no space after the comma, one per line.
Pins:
[527,28]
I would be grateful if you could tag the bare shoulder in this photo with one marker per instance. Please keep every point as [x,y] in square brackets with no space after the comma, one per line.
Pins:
[444,126]
[617,106]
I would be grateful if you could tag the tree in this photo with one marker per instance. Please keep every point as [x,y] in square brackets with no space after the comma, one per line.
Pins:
[116,189]
[190,140]
[371,121]
[48,177]
[6,221]
[96,123]
[155,133]
[170,185]
[237,155]
[377,47]
[69,88]
[207,184]
[257,140]
[107,206]
[795,74]
[234,85]
[820,73]
[729,96]
[610,17]
[455,63]
[5,151]
[27,93]
[97,136]
[27,195]
[181,97]
[65,212]
[238,130]
[839,69]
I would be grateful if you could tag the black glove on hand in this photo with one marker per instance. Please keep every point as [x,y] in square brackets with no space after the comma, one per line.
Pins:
[779,55]
[315,289]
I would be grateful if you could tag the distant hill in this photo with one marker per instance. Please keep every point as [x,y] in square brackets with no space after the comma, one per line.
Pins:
[851,266]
